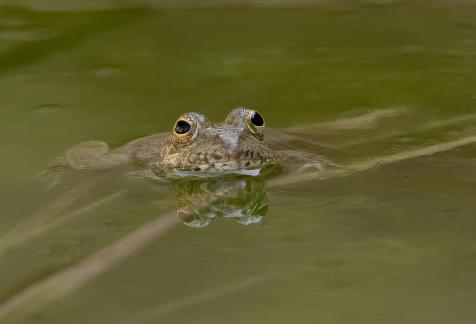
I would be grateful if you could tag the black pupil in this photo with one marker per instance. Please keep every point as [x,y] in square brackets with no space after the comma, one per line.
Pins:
[256,119]
[182,127]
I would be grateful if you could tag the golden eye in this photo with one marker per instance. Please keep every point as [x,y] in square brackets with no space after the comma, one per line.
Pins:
[187,126]
[255,122]
[251,119]
[182,127]
[256,119]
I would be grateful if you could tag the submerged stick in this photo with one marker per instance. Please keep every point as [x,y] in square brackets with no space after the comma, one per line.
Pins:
[188,301]
[429,126]
[37,225]
[363,121]
[75,276]
[372,163]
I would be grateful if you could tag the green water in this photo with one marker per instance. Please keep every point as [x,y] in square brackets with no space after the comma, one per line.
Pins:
[391,244]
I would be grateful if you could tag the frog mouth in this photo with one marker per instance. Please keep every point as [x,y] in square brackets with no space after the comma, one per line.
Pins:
[230,165]
[227,167]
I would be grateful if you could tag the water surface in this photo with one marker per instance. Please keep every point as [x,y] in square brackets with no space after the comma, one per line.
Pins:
[390,244]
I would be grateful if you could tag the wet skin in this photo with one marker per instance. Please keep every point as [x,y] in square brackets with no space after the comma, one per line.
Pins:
[194,147]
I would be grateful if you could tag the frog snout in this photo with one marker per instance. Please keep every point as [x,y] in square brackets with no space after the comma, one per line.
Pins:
[230,140]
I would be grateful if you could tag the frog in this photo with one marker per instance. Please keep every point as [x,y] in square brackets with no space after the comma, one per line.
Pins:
[195,147]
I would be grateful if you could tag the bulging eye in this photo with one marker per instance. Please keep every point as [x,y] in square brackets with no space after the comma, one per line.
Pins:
[255,123]
[251,119]
[256,119]
[182,127]
[187,127]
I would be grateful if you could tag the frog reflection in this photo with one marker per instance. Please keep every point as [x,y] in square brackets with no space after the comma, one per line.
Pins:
[199,202]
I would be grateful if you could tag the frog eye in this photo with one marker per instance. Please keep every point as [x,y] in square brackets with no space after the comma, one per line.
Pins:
[255,123]
[187,127]
[182,127]
[242,117]
[256,119]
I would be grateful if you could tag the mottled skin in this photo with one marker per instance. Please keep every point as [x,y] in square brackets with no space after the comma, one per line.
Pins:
[195,145]
[235,144]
